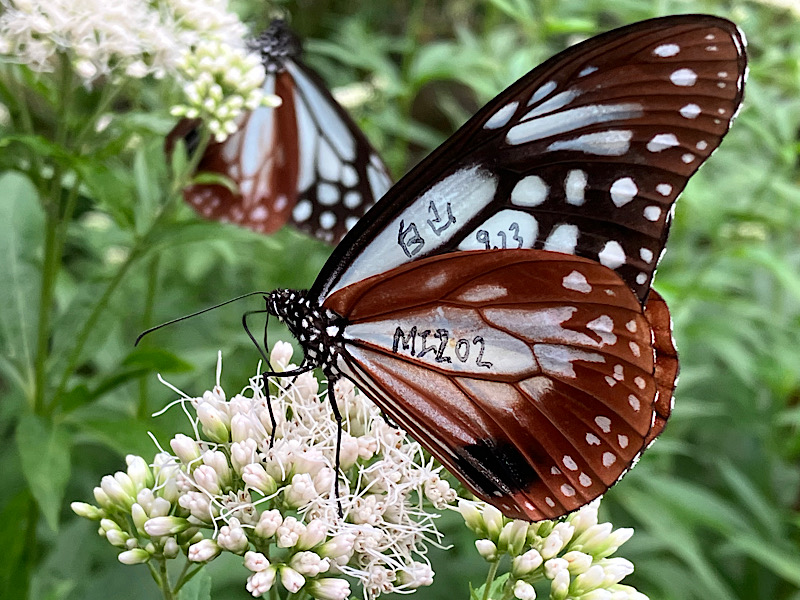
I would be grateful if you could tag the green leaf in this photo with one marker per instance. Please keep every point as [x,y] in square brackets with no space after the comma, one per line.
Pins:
[197,588]
[16,564]
[21,240]
[44,451]
[156,359]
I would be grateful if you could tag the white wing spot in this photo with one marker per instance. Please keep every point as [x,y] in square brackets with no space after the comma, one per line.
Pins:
[667,50]
[350,222]
[592,439]
[646,255]
[690,111]
[683,77]
[564,121]
[664,189]
[549,501]
[603,423]
[585,480]
[529,191]
[302,211]
[604,327]
[484,293]
[610,381]
[711,48]
[721,85]
[567,490]
[327,194]
[259,213]
[635,349]
[563,238]
[662,141]
[542,92]
[652,213]
[327,220]
[701,145]
[602,143]
[576,281]
[555,471]
[623,441]
[640,383]
[569,463]
[612,255]
[710,36]
[631,326]
[721,111]
[722,74]
[619,374]
[502,116]
[687,158]
[623,191]
[349,176]
[575,187]
[641,278]
[608,459]
[352,199]
[587,71]
[634,402]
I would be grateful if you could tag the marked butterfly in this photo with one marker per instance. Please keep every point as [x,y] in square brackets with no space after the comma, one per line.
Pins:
[496,301]
[304,162]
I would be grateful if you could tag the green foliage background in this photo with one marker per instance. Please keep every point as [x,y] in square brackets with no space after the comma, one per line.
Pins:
[714,502]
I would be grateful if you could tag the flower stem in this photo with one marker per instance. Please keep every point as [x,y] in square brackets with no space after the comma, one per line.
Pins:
[490,579]
[50,268]
[166,590]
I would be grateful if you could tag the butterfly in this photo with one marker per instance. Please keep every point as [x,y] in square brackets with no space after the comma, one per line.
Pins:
[496,302]
[305,162]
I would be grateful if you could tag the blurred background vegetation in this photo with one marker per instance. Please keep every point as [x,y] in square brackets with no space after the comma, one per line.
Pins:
[715,502]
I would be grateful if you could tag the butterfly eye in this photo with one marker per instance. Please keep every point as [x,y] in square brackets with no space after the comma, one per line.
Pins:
[304,162]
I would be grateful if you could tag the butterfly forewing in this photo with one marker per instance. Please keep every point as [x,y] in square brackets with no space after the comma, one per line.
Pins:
[304,162]
[584,155]
[529,374]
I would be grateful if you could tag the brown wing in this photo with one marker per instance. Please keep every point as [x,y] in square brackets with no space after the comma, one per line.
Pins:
[529,374]
[666,373]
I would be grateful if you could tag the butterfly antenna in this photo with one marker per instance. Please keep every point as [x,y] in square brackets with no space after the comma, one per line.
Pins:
[263,352]
[194,314]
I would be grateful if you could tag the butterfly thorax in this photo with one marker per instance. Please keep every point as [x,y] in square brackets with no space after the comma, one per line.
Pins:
[276,44]
[318,330]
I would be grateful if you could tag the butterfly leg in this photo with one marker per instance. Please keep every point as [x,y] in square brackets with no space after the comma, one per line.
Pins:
[272,421]
[338,416]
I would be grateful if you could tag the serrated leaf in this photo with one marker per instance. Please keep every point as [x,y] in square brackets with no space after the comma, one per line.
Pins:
[44,450]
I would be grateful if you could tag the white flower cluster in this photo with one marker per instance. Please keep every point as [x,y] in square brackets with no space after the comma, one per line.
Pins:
[221,82]
[228,489]
[134,37]
[572,555]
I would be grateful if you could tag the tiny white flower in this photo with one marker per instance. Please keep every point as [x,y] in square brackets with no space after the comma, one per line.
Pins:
[165,526]
[487,549]
[255,561]
[268,523]
[291,579]
[329,589]
[185,448]
[524,590]
[232,537]
[309,564]
[136,556]
[204,550]
[261,582]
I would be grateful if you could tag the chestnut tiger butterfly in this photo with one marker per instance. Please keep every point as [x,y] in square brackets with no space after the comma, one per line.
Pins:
[304,162]
[496,302]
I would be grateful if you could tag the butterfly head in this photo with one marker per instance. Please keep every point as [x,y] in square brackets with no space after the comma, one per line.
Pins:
[318,330]
[276,44]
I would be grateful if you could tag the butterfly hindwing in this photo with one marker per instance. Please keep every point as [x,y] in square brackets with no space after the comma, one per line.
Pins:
[305,162]
[469,340]
[586,155]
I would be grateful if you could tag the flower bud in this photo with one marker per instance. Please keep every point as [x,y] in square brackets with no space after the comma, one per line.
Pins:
[87,511]
[415,575]
[136,556]
[493,520]
[185,448]
[102,498]
[591,579]
[579,562]
[291,579]
[300,492]
[214,425]
[118,538]
[232,537]
[255,561]
[261,582]
[527,563]
[329,588]
[616,569]
[487,549]
[161,507]
[268,523]
[512,537]
[309,564]
[338,546]
[524,590]
[256,477]
[315,532]
[165,526]
[289,532]
[471,515]
[139,517]
[203,551]
[598,594]
[171,547]
[207,480]
[117,493]
[560,586]
[241,428]
[553,566]
[243,453]
[139,472]
[219,462]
